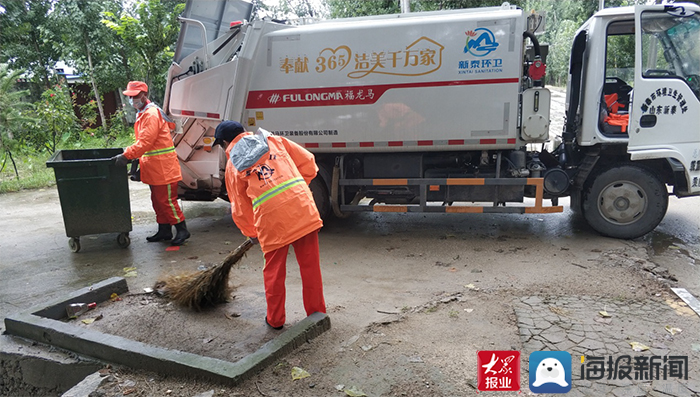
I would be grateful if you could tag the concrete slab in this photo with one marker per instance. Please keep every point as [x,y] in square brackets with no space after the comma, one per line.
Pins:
[28,368]
[42,324]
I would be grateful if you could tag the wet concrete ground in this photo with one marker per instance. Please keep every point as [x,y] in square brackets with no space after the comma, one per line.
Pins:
[371,261]
[36,263]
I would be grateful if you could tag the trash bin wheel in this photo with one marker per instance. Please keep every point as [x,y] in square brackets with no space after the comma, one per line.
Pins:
[74,244]
[123,240]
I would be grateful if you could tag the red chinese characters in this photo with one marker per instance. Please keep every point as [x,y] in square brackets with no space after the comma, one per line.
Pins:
[498,370]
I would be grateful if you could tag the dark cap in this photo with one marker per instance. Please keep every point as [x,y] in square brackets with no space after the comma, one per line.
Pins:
[227,131]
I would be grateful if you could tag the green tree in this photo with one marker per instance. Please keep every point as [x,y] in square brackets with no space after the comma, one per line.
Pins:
[14,113]
[88,43]
[434,5]
[358,8]
[149,31]
[29,41]
[291,9]
[57,121]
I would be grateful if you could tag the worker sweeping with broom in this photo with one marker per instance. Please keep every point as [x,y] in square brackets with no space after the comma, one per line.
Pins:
[267,180]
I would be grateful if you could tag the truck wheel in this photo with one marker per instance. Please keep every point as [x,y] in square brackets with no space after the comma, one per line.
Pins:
[625,202]
[321,198]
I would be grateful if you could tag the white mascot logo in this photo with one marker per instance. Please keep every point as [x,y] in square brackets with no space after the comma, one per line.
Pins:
[550,370]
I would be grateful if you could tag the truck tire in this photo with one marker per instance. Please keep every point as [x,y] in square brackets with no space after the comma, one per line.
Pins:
[626,202]
[321,197]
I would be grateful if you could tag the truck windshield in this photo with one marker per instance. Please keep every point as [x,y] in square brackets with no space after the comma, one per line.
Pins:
[671,47]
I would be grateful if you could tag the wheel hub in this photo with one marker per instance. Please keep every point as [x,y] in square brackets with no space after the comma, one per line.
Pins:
[622,202]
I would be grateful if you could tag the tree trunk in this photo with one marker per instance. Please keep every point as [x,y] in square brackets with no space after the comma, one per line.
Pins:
[13,163]
[94,87]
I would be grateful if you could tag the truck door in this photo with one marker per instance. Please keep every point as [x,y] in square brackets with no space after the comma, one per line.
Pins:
[665,109]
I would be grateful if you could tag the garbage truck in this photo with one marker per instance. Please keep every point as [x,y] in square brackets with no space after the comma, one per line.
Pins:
[447,111]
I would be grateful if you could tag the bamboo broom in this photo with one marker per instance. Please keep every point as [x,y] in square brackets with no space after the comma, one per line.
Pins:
[203,288]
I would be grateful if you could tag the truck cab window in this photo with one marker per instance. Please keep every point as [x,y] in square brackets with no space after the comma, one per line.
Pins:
[619,78]
[671,47]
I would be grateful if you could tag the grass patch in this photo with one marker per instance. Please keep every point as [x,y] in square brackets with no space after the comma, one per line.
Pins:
[33,174]
[32,169]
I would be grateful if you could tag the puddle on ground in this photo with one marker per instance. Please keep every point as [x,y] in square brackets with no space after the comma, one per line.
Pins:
[662,243]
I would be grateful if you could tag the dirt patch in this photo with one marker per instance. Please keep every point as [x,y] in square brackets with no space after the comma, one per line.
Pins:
[428,350]
[228,332]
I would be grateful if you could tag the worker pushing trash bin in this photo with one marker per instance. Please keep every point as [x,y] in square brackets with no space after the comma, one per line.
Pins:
[160,168]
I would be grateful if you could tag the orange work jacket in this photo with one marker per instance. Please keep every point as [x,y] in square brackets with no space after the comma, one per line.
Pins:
[270,196]
[154,146]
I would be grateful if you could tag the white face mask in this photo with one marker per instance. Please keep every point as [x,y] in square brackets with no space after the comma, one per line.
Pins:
[136,103]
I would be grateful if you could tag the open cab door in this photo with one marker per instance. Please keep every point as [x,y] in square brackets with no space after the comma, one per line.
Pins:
[665,110]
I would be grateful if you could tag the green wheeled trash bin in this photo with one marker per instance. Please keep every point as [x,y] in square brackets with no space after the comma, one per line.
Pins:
[94,194]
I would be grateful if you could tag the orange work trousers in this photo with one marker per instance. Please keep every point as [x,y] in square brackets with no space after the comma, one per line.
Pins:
[275,271]
[164,200]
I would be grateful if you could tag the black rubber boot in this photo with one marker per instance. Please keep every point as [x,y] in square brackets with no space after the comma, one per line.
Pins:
[182,234]
[165,232]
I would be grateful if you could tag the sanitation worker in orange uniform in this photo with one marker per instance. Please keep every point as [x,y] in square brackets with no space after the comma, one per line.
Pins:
[158,162]
[267,180]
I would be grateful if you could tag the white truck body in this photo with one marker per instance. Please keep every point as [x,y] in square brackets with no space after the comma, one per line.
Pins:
[416,112]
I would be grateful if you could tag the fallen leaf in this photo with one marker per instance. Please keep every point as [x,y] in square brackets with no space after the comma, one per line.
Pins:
[353,391]
[604,314]
[130,272]
[453,269]
[639,347]
[114,297]
[672,330]
[299,373]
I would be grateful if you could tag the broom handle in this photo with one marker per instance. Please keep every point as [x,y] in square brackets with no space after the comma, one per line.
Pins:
[238,252]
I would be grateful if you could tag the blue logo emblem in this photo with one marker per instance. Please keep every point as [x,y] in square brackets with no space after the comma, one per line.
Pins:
[550,372]
[480,42]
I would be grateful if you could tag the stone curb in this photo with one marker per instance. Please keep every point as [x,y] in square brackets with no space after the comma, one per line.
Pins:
[41,324]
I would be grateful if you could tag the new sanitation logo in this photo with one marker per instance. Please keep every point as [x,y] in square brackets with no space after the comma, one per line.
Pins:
[480,42]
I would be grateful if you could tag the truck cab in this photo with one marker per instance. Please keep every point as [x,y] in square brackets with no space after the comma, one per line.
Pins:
[633,91]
